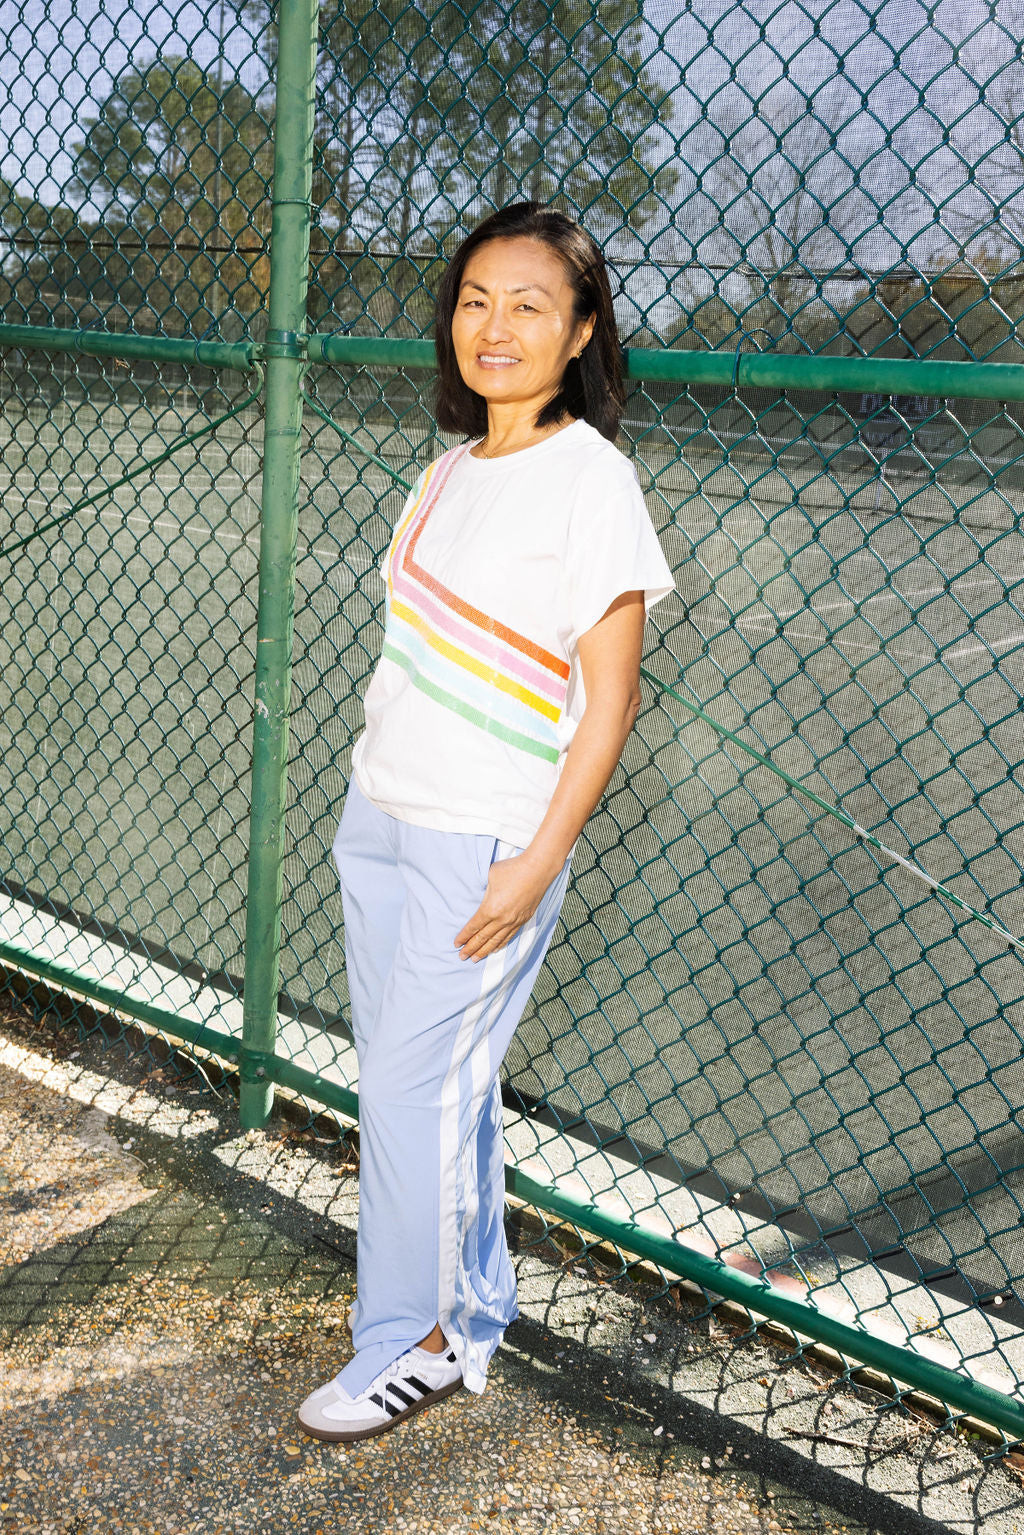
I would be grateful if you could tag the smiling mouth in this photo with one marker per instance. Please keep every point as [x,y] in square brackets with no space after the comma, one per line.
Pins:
[496,359]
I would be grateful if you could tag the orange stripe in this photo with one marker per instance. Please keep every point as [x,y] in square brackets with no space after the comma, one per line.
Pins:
[485,670]
[465,610]
[399,532]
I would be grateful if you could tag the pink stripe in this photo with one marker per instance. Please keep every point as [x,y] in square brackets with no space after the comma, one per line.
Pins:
[402,529]
[434,473]
[477,642]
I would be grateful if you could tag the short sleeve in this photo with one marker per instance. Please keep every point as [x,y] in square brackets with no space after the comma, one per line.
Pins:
[384,563]
[612,545]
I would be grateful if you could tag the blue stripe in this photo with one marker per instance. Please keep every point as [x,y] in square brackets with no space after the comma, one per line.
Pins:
[491,702]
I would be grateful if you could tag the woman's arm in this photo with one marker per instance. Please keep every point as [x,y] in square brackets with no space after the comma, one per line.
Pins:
[609,656]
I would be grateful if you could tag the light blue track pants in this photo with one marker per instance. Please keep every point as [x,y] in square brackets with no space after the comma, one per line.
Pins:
[431,1031]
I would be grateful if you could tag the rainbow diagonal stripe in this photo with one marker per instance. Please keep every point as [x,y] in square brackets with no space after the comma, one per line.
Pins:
[470,663]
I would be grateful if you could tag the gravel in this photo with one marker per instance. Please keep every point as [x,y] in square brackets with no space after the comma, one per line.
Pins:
[171,1288]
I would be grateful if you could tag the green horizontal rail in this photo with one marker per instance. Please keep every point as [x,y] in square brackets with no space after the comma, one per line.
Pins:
[131,346]
[725,369]
[218,1043]
[370,351]
[757,1295]
[846,375]
[744,370]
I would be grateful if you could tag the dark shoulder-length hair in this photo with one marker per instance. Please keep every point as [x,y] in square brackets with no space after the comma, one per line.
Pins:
[591,386]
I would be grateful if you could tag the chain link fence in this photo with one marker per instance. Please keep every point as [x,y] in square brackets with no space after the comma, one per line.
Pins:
[765,1050]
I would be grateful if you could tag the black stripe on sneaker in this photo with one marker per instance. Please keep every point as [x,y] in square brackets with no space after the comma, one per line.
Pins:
[377,1398]
[416,1383]
[403,1396]
[394,1411]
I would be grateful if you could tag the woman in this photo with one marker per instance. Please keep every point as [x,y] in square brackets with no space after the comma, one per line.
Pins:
[518,580]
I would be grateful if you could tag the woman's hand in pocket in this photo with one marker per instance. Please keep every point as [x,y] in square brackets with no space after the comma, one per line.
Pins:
[515,888]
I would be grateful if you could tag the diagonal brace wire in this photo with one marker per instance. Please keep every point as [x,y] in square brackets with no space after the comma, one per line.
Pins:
[141,468]
[381,463]
[860,832]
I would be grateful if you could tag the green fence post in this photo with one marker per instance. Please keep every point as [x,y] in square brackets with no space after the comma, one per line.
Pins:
[289,279]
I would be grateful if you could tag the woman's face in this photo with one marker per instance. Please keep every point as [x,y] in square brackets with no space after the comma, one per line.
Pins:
[513,329]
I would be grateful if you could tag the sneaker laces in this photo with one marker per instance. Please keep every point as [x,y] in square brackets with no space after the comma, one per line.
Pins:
[394,1371]
[403,1365]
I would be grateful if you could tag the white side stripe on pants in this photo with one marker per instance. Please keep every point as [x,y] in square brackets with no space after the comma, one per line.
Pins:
[450,1231]
[480,1075]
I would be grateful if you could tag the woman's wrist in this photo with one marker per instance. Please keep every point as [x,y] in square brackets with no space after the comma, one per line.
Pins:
[545,857]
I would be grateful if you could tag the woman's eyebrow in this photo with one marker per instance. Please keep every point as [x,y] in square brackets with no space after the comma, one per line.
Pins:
[526,287]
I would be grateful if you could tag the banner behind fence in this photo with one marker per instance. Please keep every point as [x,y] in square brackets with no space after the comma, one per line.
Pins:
[758,1027]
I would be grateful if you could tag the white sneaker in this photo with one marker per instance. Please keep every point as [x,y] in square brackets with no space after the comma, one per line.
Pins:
[413,1381]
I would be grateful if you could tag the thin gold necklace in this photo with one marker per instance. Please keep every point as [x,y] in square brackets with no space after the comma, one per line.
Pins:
[523,445]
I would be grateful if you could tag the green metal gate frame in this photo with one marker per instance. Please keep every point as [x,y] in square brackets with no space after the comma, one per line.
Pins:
[285,356]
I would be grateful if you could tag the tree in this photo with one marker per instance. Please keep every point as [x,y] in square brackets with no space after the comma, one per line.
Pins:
[188,172]
[571,109]
[973,173]
[432,113]
[396,124]
[985,213]
[44,258]
[776,204]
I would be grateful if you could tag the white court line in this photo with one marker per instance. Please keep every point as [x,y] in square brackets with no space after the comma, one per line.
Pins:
[985,645]
[162,524]
[854,645]
[178,527]
[253,538]
[892,596]
[155,482]
[822,464]
[881,650]
[136,519]
[212,486]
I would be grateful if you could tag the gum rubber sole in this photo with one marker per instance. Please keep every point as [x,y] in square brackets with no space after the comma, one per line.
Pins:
[348,1436]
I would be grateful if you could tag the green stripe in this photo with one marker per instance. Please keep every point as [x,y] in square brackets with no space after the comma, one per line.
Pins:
[449,701]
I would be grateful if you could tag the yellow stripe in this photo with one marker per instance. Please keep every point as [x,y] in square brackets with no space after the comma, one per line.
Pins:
[407,519]
[471,664]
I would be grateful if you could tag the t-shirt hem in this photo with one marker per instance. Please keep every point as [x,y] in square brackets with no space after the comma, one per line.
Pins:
[518,834]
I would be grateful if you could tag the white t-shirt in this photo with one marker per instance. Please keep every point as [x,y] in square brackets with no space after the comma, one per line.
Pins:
[495,569]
